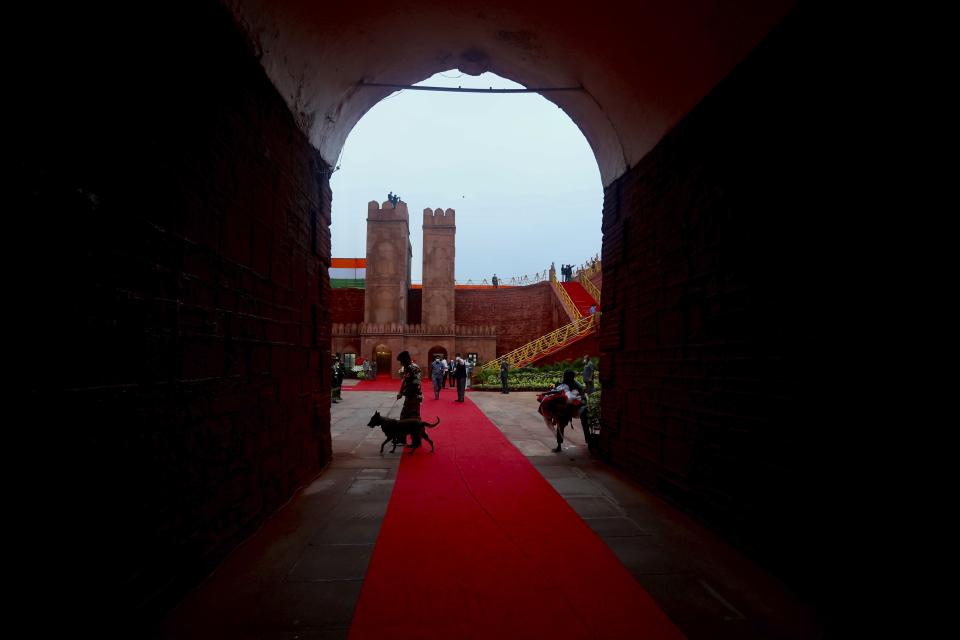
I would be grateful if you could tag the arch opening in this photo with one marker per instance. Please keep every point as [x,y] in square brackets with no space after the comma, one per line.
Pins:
[383,357]
[641,68]
[518,171]
[435,351]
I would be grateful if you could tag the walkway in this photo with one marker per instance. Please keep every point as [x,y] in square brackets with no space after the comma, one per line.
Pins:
[301,575]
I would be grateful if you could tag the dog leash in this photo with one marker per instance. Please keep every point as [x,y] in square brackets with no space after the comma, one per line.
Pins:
[390,410]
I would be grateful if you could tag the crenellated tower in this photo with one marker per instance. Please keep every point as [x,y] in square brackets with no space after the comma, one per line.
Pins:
[389,256]
[439,251]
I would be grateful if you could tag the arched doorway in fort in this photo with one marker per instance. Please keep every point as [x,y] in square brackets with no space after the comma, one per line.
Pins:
[436,350]
[384,359]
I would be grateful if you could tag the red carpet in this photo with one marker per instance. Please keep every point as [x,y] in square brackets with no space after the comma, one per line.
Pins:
[382,383]
[476,544]
[580,297]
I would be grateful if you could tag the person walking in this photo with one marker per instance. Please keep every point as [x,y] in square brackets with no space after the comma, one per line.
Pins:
[588,375]
[366,369]
[410,391]
[437,370]
[461,376]
[504,367]
[567,413]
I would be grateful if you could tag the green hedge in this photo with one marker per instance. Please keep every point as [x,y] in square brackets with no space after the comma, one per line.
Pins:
[536,378]
[513,387]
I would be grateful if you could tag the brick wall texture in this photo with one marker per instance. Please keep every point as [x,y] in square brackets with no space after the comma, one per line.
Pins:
[711,312]
[179,229]
[520,314]
[346,305]
[414,306]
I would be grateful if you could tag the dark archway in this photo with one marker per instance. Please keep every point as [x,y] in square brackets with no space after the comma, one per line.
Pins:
[190,315]
[384,359]
[436,350]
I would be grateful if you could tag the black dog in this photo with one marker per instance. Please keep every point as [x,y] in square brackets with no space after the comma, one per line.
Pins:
[397,430]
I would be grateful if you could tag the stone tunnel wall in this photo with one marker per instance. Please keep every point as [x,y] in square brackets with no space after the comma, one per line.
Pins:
[179,321]
[714,316]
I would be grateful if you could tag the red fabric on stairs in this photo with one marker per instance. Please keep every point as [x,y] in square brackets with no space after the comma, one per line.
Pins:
[580,297]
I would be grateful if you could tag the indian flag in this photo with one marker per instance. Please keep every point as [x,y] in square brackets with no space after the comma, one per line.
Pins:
[348,272]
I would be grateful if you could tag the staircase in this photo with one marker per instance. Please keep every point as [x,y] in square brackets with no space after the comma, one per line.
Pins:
[582,300]
[577,301]
[544,345]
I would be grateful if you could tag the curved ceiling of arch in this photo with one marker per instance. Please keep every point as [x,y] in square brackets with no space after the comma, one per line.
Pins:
[642,67]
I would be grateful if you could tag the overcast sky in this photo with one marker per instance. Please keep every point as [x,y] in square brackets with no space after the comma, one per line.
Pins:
[519,173]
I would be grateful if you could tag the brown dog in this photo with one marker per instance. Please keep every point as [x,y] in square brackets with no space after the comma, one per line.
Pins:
[398,430]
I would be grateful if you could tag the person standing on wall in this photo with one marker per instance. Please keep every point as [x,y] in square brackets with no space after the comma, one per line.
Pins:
[410,391]
[504,367]
[496,281]
[461,376]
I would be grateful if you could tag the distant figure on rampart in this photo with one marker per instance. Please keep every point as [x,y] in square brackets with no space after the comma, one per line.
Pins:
[496,281]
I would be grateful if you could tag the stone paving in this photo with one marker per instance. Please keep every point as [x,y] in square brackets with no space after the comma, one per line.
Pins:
[707,588]
[300,575]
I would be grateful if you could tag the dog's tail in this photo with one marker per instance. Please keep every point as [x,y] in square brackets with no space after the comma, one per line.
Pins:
[434,424]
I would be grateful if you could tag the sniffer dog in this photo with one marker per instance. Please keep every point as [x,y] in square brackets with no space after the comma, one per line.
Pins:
[398,430]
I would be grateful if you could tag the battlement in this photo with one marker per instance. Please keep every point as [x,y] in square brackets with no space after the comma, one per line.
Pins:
[439,218]
[386,211]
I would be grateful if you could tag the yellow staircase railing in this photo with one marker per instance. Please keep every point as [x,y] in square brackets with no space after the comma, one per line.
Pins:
[589,286]
[591,267]
[544,345]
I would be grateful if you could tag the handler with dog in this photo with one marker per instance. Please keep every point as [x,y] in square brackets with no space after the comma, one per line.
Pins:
[411,392]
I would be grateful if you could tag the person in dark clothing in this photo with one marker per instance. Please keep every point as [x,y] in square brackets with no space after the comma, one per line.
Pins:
[588,375]
[460,373]
[496,281]
[504,367]
[565,417]
[337,380]
[437,370]
[410,391]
